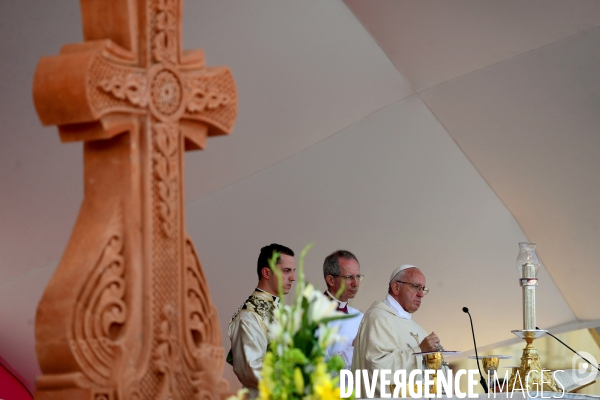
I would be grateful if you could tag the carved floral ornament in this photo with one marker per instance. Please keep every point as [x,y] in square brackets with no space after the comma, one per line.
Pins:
[166,173]
[100,310]
[131,87]
[203,97]
[165,91]
[164,40]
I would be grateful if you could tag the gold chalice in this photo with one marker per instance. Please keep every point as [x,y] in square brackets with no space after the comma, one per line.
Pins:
[433,361]
[490,366]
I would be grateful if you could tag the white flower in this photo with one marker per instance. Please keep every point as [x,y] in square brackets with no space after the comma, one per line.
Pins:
[322,307]
[275,328]
[309,292]
[286,323]
[328,335]
[296,320]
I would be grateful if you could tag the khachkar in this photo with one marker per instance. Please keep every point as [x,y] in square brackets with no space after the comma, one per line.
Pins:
[128,315]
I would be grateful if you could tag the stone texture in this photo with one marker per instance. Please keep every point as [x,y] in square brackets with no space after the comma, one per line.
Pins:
[128,314]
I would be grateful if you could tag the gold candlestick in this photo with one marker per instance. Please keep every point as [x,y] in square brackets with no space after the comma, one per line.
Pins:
[529,375]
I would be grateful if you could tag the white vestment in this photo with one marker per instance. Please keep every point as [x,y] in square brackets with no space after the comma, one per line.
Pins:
[386,339]
[348,328]
[250,338]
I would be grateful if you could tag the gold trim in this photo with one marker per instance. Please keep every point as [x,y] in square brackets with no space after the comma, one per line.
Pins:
[581,387]
[530,361]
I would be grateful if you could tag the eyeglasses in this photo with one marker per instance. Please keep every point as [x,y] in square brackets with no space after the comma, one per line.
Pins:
[416,288]
[358,277]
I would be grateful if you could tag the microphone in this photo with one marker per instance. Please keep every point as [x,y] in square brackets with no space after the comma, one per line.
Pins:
[482,380]
[567,346]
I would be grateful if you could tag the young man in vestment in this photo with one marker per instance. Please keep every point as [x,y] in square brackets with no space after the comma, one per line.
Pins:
[248,329]
[387,336]
[341,269]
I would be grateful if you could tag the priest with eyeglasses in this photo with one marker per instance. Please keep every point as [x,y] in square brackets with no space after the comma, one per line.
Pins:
[341,271]
[388,337]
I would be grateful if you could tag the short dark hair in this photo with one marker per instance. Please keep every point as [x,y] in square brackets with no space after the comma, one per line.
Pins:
[331,265]
[266,253]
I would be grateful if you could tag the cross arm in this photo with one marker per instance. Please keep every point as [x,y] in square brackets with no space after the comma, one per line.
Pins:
[88,90]
[210,105]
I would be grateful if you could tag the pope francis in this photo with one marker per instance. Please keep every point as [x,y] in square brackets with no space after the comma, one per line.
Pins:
[387,336]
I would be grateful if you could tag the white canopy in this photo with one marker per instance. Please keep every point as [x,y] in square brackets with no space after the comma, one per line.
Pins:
[433,133]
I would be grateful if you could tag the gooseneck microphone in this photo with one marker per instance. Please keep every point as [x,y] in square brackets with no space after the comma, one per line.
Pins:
[482,380]
[567,346]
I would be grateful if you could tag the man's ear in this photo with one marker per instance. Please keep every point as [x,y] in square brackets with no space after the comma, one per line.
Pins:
[266,273]
[329,280]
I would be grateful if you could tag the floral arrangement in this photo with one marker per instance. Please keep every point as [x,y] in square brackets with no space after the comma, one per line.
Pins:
[294,366]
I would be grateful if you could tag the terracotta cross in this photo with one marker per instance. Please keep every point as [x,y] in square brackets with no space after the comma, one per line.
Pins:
[127,314]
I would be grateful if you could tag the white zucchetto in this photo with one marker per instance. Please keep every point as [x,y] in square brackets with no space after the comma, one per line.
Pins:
[399,269]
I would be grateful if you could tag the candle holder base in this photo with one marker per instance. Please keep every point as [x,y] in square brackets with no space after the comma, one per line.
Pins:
[530,376]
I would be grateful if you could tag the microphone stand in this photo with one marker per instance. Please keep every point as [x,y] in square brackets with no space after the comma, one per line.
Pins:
[567,346]
[482,380]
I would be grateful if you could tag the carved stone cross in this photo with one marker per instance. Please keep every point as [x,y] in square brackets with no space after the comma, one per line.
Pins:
[127,314]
